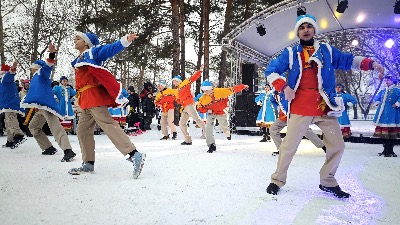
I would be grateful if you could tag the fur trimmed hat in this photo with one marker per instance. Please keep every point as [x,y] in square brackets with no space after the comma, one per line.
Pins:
[89,38]
[307,18]
[177,78]
[162,83]
[38,64]
[206,85]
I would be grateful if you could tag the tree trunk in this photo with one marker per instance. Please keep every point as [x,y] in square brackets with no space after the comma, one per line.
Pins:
[182,35]
[2,57]
[175,37]
[200,41]
[35,31]
[247,11]
[207,6]
[223,67]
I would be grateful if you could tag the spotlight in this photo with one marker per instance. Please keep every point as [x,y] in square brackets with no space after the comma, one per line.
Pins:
[397,7]
[389,43]
[301,10]
[261,30]
[354,43]
[342,6]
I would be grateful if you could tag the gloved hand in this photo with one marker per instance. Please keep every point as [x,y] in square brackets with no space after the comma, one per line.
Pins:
[259,103]
[289,93]
[350,104]
[338,113]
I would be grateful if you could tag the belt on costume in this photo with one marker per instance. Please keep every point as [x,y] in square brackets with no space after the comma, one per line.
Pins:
[84,88]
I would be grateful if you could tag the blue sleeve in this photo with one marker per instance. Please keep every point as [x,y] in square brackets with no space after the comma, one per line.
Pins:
[72,92]
[124,93]
[341,60]
[196,99]
[55,90]
[352,99]
[8,77]
[45,72]
[273,101]
[278,65]
[104,52]
[379,96]
[260,98]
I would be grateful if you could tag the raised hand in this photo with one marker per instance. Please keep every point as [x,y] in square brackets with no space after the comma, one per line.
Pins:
[14,65]
[378,67]
[246,87]
[201,67]
[132,37]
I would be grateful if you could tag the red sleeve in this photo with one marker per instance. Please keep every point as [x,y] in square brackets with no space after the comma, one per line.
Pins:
[366,64]
[195,76]
[279,84]
[238,88]
[202,109]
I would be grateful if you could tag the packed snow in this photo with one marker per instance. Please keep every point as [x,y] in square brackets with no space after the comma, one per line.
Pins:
[185,185]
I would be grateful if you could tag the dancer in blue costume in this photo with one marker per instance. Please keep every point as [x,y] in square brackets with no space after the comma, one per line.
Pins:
[348,101]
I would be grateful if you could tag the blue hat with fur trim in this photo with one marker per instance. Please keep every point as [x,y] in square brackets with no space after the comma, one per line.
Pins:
[38,64]
[177,78]
[206,85]
[89,38]
[307,18]
[63,78]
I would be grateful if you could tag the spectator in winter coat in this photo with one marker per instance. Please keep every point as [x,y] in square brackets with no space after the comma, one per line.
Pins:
[134,105]
[348,101]
[215,101]
[10,105]
[40,96]
[310,90]
[165,100]
[185,99]
[24,90]
[64,93]
[149,111]
[97,89]
[387,118]
[147,88]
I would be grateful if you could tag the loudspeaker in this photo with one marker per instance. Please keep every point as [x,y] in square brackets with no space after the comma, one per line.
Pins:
[250,76]
[246,110]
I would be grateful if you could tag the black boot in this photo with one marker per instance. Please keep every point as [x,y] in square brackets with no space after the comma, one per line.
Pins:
[49,151]
[337,191]
[385,149]
[212,148]
[174,135]
[68,155]
[9,144]
[264,138]
[272,189]
[165,137]
[389,150]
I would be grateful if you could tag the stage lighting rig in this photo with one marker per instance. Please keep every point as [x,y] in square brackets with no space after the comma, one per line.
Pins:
[261,30]
[342,6]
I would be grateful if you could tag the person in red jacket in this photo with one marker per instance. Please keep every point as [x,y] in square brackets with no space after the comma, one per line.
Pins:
[186,100]
[165,99]
[214,101]
[97,89]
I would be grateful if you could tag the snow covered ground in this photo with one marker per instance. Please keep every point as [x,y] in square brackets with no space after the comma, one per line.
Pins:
[186,185]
